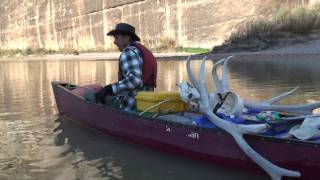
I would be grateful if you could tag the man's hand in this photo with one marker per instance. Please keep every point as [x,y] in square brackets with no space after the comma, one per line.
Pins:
[101,95]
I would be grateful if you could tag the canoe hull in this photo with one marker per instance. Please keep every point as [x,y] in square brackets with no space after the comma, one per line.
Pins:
[212,145]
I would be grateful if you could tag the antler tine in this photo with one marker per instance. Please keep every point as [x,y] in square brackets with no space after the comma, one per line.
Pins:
[190,74]
[219,62]
[225,75]
[203,85]
[215,76]
[301,109]
[279,97]
[273,170]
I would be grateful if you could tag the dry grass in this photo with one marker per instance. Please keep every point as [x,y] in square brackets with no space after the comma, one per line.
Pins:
[295,21]
[166,43]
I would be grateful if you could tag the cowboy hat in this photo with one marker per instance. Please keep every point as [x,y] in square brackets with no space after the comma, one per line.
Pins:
[125,29]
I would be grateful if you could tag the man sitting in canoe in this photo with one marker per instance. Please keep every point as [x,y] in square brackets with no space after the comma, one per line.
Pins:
[137,70]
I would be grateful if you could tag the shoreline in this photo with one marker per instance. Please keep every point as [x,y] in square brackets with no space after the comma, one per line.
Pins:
[89,57]
[310,50]
[166,57]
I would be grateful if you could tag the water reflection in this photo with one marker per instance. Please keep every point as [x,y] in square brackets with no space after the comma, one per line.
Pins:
[115,159]
[36,144]
[268,77]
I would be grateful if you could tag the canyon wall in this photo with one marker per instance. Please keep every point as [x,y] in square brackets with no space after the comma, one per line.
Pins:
[83,24]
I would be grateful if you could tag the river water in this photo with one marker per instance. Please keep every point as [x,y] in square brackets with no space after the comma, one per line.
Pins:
[35,143]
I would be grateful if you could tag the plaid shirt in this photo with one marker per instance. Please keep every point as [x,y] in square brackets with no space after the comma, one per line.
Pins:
[131,64]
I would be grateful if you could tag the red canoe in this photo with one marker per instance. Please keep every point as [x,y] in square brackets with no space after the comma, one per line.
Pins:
[213,145]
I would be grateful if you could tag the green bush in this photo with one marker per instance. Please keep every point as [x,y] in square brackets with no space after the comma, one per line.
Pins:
[28,51]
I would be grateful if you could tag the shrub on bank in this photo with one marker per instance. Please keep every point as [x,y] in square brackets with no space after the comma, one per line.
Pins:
[192,50]
[286,23]
[38,52]
[165,44]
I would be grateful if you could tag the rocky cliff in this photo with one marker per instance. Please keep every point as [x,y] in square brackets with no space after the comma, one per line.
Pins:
[82,24]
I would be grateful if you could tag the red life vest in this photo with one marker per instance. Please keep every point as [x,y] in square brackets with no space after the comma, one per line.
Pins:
[149,69]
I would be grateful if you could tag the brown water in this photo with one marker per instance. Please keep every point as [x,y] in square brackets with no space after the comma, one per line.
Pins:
[35,143]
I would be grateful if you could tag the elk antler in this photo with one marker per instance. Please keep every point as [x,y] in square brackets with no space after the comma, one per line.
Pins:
[235,130]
